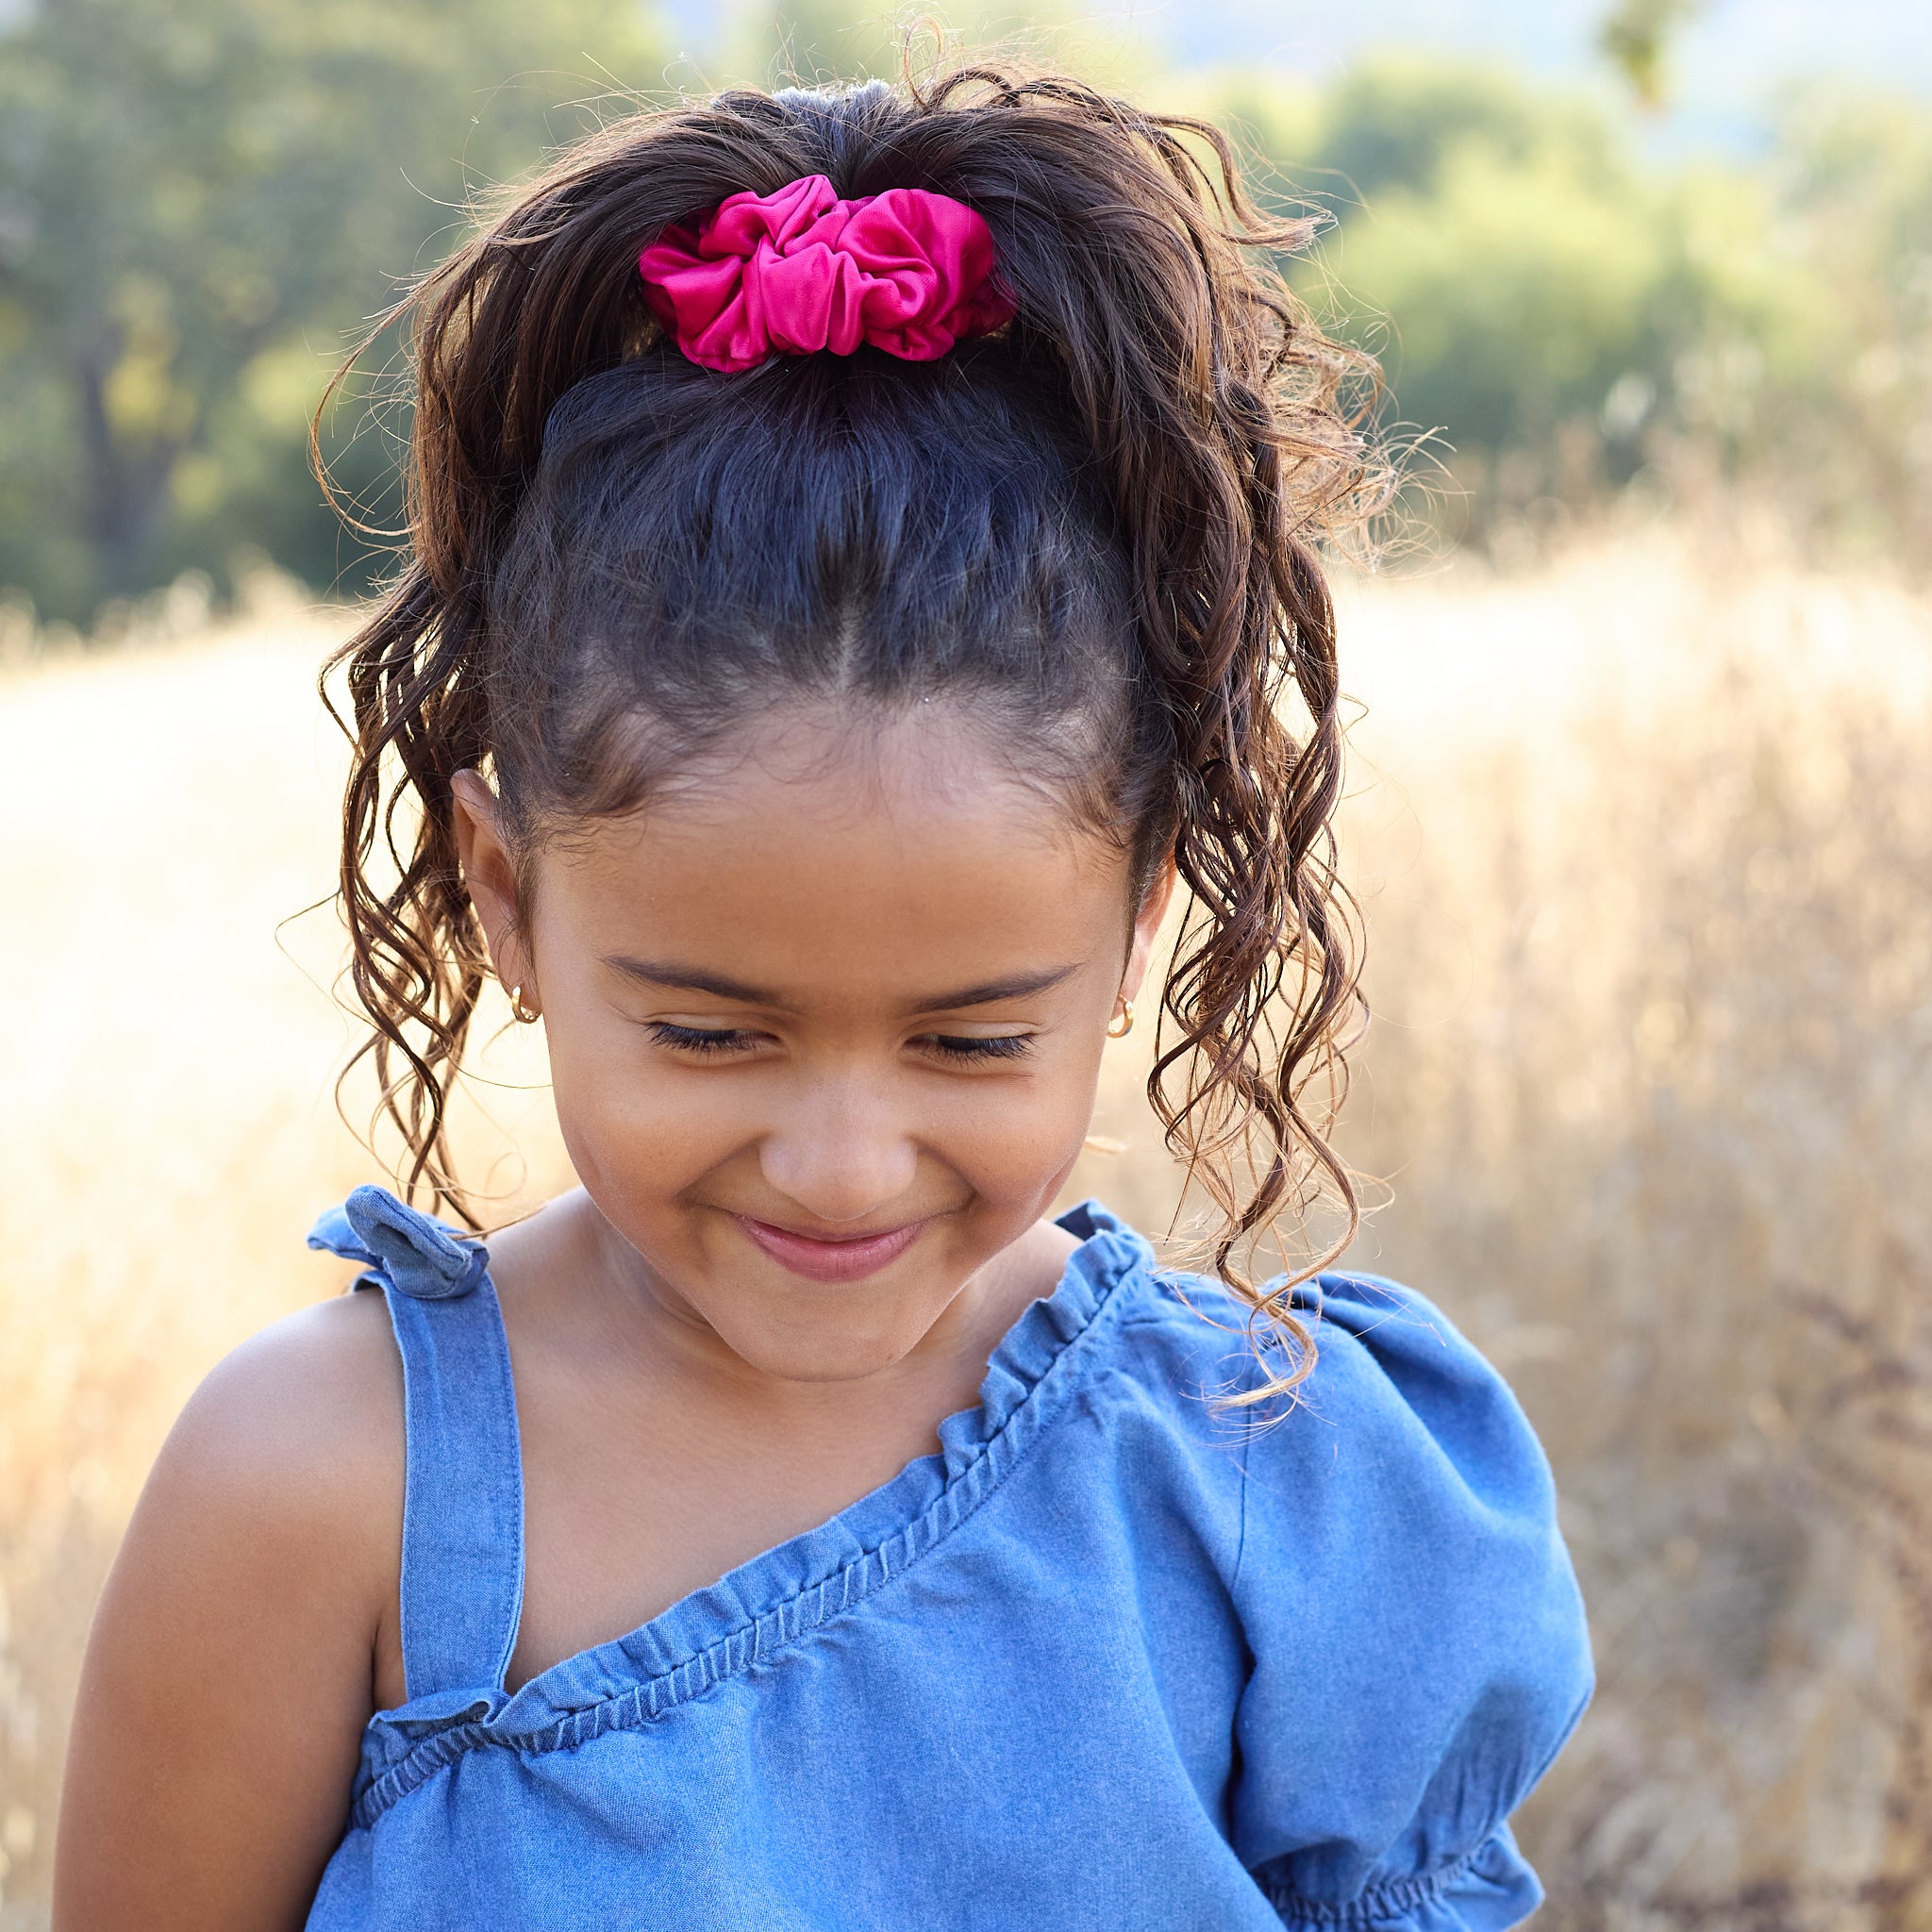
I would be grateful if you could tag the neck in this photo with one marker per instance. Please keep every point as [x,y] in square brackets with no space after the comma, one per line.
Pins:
[639,1319]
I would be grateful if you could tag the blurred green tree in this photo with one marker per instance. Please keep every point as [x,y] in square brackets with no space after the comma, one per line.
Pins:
[199,204]
[773,42]
[1495,246]
[1559,314]
[1636,37]
[1854,173]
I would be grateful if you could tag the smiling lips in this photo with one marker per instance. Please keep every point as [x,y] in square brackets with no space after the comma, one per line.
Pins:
[831,1260]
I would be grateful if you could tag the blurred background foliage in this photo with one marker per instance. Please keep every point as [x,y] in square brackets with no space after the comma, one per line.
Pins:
[202,203]
[200,206]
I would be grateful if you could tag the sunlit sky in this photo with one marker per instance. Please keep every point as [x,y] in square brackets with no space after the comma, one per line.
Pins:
[1726,65]
[1729,65]
[1733,41]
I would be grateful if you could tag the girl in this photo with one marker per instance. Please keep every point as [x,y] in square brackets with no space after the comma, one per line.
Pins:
[861,570]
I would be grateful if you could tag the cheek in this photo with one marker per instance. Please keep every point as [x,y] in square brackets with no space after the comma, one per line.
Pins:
[640,1128]
[1014,1140]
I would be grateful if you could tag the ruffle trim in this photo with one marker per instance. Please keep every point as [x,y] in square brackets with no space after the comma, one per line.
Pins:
[1486,1890]
[755,1613]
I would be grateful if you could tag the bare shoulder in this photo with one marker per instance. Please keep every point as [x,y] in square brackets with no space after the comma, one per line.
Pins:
[306,1417]
[255,1590]
[284,1476]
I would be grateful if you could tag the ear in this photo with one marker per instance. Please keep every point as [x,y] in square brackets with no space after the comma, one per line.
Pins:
[491,878]
[1153,909]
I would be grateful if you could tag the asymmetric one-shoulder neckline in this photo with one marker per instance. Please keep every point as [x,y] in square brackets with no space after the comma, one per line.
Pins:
[771,1599]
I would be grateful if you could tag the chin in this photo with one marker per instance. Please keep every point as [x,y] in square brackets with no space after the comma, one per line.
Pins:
[794,1352]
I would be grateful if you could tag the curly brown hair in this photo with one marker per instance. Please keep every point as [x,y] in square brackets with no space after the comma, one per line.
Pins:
[1102,523]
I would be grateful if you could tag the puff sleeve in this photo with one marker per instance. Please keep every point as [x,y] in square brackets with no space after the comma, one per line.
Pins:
[1419,1648]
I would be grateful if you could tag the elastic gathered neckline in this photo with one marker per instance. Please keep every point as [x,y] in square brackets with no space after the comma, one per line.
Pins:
[763,1607]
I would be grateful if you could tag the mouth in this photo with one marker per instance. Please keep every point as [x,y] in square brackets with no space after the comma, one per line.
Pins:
[846,1259]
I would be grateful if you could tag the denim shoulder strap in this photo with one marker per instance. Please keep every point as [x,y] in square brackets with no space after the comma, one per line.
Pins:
[464,1485]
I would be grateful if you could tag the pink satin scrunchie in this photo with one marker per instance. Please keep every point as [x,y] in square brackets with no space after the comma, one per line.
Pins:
[907,271]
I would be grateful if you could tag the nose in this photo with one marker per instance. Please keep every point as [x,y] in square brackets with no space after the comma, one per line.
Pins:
[843,1152]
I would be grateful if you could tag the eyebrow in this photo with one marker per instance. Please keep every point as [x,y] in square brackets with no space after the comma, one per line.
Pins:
[682,978]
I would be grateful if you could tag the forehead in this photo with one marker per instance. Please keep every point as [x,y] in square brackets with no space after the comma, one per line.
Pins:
[843,855]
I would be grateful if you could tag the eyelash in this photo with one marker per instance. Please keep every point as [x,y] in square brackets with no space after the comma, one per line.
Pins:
[1002,1046]
[698,1040]
[705,1040]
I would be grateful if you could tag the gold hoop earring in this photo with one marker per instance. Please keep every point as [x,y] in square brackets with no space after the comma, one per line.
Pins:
[1122,1023]
[529,1015]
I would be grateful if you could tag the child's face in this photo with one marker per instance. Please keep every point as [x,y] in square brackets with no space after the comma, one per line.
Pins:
[825,1022]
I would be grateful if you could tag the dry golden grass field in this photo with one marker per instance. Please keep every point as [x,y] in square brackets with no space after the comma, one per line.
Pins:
[1645,845]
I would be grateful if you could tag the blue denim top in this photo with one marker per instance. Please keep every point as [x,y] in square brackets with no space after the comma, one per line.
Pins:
[1110,1658]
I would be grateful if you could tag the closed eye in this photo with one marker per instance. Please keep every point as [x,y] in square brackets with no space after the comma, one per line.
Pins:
[702,1039]
[957,1046]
